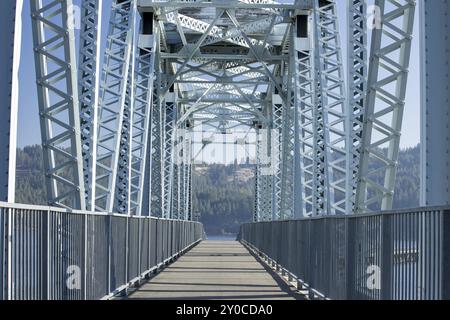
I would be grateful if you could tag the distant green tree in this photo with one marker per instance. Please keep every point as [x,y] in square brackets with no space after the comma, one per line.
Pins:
[222,195]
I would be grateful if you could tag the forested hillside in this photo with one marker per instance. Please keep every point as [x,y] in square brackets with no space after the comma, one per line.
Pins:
[223,195]
[30,178]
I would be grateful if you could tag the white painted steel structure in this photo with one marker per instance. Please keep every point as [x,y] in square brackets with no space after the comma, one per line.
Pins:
[117,131]
[328,126]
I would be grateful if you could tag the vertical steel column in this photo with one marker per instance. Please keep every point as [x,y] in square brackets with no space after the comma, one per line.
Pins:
[144,76]
[435,116]
[333,101]
[388,73]
[288,139]
[88,90]
[357,86]
[306,120]
[259,179]
[122,186]
[321,190]
[10,37]
[168,147]
[180,199]
[176,176]
[266,175]
[55,63]
[112,101]
[189,194]
[156,153]
[276,153]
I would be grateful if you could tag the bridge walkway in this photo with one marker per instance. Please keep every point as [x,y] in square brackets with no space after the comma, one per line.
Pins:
[216,270]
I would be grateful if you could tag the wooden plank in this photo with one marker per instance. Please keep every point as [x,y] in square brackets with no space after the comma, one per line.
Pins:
[215,270]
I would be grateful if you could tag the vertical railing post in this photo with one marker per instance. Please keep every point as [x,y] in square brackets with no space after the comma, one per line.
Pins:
[85,246]
[139,249]
[387,254]
[127,251]
[445,247]
[109,238]
[9,281]
[47,266]
[312,258]
[350,258]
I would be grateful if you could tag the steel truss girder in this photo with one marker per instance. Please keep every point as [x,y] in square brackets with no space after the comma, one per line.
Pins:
[277,154]
[55,62]
[289,142]
[220,88]
[387,80]
[123,176]
[217,34]
[181,173]
[188,182]
[357,85]
[168,146]
[309,117]
[140,140]
[156,149]
[265,175]
[335,112]
[88,83]
[112,101]
[272,6]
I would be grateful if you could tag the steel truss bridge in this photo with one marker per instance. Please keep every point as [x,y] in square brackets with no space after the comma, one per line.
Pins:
[117,117]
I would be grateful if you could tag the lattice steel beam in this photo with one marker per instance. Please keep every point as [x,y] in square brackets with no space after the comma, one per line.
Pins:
[55,62]
[156,150]
[276,152]
[288,154]
[259,180]
[357,86]
[335,112]
[388,73]
[306,120]
[88,82]
[146,5]
[168,145]
[112,101]
[215,33]
[123,174]
[143,98]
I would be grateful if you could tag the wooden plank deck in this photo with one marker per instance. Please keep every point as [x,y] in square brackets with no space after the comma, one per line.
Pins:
[215,270]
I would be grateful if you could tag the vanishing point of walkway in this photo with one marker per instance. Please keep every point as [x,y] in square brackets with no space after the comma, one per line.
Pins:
[216,270]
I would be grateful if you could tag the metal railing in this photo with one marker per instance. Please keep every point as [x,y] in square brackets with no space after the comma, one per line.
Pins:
[403,255]
[51,253]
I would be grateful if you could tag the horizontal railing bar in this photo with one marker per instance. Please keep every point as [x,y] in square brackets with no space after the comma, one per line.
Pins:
[111,252]
[389,255]
[6,205]
[430,210]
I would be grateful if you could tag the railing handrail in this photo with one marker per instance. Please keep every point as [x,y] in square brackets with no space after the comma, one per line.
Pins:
[336,255]
[7,205]
[111,252]
[443,209]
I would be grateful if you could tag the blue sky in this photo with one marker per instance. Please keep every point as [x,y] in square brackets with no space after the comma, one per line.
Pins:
[29,131]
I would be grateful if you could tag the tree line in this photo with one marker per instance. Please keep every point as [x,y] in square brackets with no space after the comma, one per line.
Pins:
[223,195]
